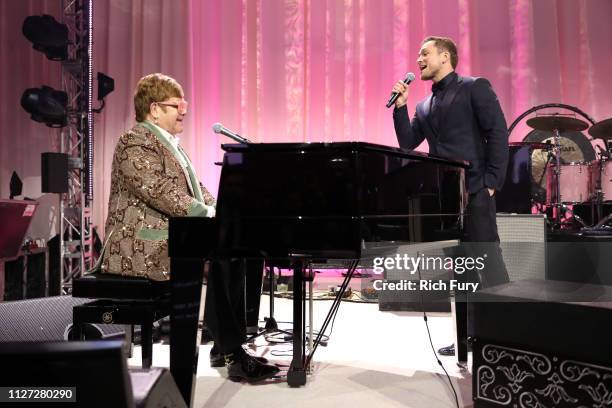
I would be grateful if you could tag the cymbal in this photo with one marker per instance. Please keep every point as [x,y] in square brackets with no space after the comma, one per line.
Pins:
[558,122]
[602,129]
[533,145]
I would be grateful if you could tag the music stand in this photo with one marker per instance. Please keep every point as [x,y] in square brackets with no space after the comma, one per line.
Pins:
[15,218]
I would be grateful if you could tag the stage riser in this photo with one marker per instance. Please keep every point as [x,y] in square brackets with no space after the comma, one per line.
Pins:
[508,376]
[548,346]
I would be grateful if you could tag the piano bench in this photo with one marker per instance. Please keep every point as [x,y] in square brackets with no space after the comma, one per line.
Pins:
[121,300]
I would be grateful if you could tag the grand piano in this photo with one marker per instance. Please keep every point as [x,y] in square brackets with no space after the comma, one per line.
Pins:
[297,203]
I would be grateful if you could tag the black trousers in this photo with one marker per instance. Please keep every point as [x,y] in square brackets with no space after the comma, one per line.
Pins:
[482,241]
[228,303]
[225,310]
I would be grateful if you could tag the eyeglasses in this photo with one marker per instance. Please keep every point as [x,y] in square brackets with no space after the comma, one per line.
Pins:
[181,106]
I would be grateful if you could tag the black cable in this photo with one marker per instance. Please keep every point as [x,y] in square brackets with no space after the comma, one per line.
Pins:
[431,342]
[281,337]
[438,360]
[321,336]
[331,330]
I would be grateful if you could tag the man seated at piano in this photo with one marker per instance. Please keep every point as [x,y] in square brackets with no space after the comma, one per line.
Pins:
[153,179]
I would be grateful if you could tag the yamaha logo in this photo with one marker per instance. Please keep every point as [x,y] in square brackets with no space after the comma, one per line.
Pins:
[107,317]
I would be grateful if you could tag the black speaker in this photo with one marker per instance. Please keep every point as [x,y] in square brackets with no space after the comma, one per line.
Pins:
[89,374]
[47,319]
[13,279]
[54,172]
[579,258]
[35,277]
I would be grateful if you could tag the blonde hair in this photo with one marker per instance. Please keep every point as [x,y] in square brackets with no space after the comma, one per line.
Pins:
[154,88]
[445,44]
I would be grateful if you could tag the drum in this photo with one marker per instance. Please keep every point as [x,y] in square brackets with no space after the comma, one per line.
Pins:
[601,171]
[575,147]
[573,181]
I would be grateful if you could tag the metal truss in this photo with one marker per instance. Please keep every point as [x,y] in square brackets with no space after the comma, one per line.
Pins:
[76,140]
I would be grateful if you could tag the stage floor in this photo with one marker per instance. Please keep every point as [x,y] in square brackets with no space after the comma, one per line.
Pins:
[373,359]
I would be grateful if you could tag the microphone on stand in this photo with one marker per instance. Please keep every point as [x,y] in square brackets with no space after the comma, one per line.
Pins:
[394,95]
[219,128]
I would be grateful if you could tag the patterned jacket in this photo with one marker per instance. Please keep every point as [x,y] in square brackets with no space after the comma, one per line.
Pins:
[148,185]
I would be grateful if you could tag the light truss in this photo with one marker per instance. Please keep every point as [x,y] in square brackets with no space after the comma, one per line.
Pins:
[76,140]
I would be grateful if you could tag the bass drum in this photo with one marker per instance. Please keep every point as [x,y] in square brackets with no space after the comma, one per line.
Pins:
[575,148]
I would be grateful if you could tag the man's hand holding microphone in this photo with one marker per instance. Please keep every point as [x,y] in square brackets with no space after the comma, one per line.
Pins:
[399,95]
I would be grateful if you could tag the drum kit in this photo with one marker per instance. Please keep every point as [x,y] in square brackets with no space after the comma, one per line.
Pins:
[570,182]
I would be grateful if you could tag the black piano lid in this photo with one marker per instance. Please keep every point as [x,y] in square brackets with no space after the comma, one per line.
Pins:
[355,146]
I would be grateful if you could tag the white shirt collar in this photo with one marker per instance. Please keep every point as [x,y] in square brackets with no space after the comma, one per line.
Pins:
[174,140]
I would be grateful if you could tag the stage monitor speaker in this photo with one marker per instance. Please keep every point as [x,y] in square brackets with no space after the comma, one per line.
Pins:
[47,319]
[94,371]
[523,243]
[54,172]
[417,300]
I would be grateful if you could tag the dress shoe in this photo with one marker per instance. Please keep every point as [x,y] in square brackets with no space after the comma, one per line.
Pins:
[217,360]
[450,350]
[447,351]
[242,366]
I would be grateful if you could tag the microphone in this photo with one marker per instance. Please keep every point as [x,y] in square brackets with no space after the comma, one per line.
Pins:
[409,78]
[219,128]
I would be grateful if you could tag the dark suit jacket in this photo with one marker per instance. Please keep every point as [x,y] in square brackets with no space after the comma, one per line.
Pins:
[472,127]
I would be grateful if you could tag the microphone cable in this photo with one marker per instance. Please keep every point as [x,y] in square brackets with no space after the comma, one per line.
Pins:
[433,349]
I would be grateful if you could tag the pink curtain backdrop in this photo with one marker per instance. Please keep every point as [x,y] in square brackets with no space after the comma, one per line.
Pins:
[306,70]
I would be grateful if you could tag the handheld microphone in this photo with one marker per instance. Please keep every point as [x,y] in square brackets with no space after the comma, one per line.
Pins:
[394,95]
[219,128]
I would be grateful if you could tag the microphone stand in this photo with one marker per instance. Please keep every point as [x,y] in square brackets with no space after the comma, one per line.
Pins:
[548,159]
[602,221]
[237,138]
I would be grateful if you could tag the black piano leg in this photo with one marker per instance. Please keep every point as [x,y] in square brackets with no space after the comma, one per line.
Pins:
[296,376]
[186,281]
[461,324]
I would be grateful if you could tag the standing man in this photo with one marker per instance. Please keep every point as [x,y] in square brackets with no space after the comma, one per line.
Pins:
[461,119]
[152,179]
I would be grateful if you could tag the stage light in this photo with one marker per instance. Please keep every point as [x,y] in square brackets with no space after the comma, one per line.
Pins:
[46,105]
[47,36]
[106,85]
